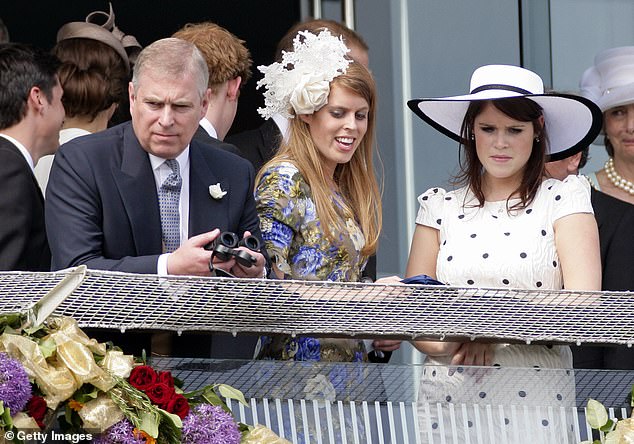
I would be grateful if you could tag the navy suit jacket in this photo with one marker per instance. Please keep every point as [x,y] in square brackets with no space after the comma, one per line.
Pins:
[201,135]
[102,206]
[23,243]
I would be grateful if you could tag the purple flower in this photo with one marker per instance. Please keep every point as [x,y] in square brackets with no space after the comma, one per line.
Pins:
[308,349]
[15,389]
[209,424]
[120,433]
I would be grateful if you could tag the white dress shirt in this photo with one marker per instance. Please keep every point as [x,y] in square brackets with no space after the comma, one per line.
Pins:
[22,149]
[207,126]
[43,167]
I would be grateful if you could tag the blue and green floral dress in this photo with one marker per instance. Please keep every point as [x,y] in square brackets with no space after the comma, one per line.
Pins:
[296,243]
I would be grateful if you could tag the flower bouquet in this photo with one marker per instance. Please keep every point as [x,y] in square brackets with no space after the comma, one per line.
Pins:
[55,380]
[612,431]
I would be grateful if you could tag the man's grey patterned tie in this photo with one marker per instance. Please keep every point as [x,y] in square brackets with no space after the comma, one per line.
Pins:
[169,195]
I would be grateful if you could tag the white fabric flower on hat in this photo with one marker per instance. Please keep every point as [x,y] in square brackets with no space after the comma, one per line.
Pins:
[309,95]
[301,81]
[216,191]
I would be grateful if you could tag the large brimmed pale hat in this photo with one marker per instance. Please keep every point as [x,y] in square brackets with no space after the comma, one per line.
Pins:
[610,82]
[572,122]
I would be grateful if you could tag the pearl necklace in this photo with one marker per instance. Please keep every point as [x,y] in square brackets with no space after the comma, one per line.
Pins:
[616,179]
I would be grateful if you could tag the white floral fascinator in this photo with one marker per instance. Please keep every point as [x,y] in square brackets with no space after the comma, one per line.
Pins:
[301,81]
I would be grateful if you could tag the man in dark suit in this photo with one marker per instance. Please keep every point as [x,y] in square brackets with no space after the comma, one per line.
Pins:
[31,115]
[229,64]
[106,194]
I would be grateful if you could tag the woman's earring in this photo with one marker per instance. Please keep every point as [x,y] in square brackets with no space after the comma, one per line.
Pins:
[537,139]
[472,137]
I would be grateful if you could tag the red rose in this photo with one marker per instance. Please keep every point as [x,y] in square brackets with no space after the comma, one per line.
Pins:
[166,378]
[178,405]
[160,394]
[143,377]
[37,409]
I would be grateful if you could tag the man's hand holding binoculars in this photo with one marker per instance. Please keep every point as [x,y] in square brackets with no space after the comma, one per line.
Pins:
[219,253]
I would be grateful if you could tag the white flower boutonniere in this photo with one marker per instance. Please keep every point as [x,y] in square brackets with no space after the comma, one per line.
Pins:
[216,191]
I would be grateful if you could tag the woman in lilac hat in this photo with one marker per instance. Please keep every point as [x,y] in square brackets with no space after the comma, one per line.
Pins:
[505,226]
[610,83]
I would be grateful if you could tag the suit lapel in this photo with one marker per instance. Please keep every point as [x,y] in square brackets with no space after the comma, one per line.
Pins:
[27,167]
[136,185]
[205,212]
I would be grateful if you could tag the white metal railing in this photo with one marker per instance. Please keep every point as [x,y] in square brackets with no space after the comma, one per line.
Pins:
[377,403]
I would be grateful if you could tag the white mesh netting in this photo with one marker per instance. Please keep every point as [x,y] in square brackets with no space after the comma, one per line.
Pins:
[134,301]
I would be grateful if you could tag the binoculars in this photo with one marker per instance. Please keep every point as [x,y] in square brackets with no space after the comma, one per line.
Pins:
[224,247]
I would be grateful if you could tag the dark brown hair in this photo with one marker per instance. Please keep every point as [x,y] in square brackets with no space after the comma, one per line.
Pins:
[23,67]
[92,75]
[518,108]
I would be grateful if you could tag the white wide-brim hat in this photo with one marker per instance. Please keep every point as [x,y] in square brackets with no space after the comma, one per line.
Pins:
[572,122]
[610,81]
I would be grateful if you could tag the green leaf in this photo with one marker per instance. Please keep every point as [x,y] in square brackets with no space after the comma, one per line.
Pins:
[9,322]
[174,419]
[33,329]
[68,414]
[178,382]
[232,393]
[88,396]
[149,424]
[632,396]
[212,398]
[596,414]
[7,421]
[47,346]
[613,438]
[608,427]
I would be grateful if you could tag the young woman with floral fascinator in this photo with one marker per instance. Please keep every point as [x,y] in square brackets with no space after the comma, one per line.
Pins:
[318,199]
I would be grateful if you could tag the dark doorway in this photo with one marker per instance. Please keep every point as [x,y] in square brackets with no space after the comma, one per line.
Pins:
[260,23]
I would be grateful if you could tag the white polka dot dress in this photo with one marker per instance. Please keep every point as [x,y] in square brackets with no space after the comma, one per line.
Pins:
[491,247]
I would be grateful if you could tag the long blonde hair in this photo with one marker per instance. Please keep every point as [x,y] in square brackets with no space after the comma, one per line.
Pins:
[356,179]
